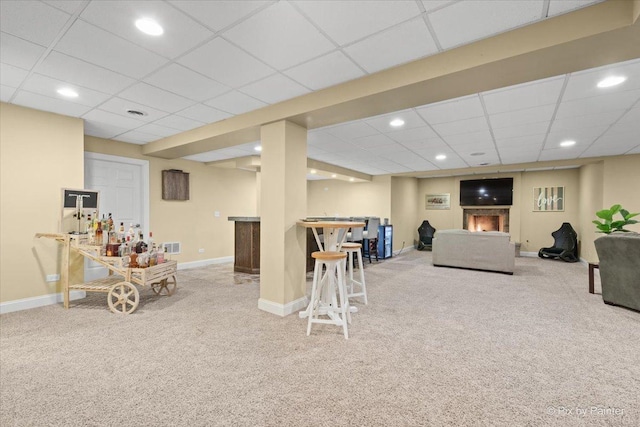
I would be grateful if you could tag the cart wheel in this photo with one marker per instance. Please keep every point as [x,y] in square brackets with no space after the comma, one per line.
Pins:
[165,286]
[123,298]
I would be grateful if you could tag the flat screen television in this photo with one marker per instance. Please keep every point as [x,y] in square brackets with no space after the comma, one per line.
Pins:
[486,192]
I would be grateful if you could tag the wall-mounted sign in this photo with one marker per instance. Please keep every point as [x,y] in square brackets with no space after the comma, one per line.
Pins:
[438,201]
[548,199]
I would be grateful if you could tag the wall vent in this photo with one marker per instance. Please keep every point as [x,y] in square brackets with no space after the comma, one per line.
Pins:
[171,247]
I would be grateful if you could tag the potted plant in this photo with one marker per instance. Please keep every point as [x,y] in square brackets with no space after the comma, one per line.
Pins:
[618,254]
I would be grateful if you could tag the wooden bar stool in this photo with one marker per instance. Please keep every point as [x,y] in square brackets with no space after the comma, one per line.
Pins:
[323,291]
[350,249]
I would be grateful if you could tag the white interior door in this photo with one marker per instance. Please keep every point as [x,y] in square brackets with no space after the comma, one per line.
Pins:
[123,187]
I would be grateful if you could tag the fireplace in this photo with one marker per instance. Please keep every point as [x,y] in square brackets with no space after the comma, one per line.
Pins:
[486,219]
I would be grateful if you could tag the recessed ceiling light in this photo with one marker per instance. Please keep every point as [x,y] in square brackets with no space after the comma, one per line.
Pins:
[396,122]
[477,154]
[149,26]
[441,157]
[334,176]
[351,179]
[312,171]
[611,81]
[68,92]
[258,148]
[568,143]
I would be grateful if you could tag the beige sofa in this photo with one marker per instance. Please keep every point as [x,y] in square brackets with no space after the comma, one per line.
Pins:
[491,251]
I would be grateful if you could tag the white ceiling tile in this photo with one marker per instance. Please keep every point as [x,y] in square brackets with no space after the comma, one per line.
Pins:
[428,144]
[398,169]
[33,21]
[632,116]
[521,117]
[398,45]
[479,138]
[351,130]
[539,128]
[146,94]
[598,104]
[318,136]
[475,124]
[45,103]
[203,114]
[18,52]
[467,21]
[108,118]
[101,130]
[181,33]
[583,136]
[274,89]
[136,137]
[583,84]
[157,130]
[121,106]
[527,95]
[382,123]
[521,142]
[415,134]
[235,102]
[331,145]
[225,63]
[69,6]
[430,5]
[185,82]
[6,93]
[279,45]
[372,141]
[590,120]
[350,20]
[452,110]
[12,76]
[94,45]
[47,86]
[314,73]
[390,150]
[520,158]
[218,14]
[634,150]
[72,70]
[178,122]
[557,7]
[558,154]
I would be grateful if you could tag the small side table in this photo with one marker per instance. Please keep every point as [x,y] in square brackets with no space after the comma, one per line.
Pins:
[592,266]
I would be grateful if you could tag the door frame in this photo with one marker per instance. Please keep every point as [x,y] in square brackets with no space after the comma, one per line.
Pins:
[144,182]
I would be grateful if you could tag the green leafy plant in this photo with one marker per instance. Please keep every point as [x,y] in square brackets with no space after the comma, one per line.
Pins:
[608,225]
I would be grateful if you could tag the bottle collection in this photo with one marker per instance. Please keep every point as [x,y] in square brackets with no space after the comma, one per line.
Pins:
[129,245]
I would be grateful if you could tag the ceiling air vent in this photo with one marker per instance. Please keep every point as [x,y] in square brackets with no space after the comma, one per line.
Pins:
[136,113]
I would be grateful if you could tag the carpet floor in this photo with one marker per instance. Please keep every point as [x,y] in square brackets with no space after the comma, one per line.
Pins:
[434,347]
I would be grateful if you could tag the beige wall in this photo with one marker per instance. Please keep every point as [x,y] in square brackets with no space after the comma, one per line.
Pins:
[341,198]
[621,176]
[439,219]
[404,205]
[591,192]
[231,192]
[40,153]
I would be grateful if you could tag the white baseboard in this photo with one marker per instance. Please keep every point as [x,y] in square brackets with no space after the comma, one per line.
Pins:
[529,254]
[204,262]
[35,302]
[406,249]
[283,309]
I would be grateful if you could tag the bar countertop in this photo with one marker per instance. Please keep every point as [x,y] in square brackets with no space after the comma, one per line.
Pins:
[244,218]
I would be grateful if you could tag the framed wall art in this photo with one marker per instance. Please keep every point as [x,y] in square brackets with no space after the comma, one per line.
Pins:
[548,199]
[438,201]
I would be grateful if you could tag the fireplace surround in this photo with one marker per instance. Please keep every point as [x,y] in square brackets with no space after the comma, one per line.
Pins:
[486,219]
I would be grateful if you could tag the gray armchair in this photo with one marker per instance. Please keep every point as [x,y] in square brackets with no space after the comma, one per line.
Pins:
[619,255]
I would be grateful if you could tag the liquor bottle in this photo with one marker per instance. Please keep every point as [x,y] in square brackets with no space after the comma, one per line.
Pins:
[130,234]
[110,222]
[153,256]
[150,240]
[160,255]
[121,232]
[98,236]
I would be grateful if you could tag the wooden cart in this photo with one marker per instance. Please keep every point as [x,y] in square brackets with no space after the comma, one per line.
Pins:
[122,295]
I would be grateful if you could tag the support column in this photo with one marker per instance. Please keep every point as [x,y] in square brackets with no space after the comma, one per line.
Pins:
[283,202]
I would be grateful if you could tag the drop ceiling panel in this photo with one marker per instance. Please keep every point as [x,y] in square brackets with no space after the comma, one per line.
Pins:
[154,97]
[184,82]
[6,93]
[47,86]
[178,122]
[136,137]
[522,117]
[476,124]
[64,67]
[108,118]
[94,45]
[448,111]
[18,52]
[397,45]
[559,154]
[557,7]
[12,76]
[351,20]
[45,103]
[235,102]
[225,63]
[157,131]
[32,21]
[391,150]
[274,89]
[415,134]
[522,130]
[598,104]
[634,150]
[314,75]
[101,130]
[525,157]
[118,17]
[203,114]
[69,6]
[542,92]
[466,21]
[218,14]
[584,84]
[373,141]
[279,45]
[583,136]
[352,130]
[382,123]
[430,5]
[521,142]
[591,120]
[428,144]
[120,106]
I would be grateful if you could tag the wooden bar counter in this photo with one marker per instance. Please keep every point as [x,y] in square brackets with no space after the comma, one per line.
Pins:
[247,244]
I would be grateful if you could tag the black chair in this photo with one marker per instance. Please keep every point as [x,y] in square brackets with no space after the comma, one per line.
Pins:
[426,232]
[565,246]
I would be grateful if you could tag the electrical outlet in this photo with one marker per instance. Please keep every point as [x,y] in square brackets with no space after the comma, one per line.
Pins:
[216,214]
[53,277]
[201,250]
